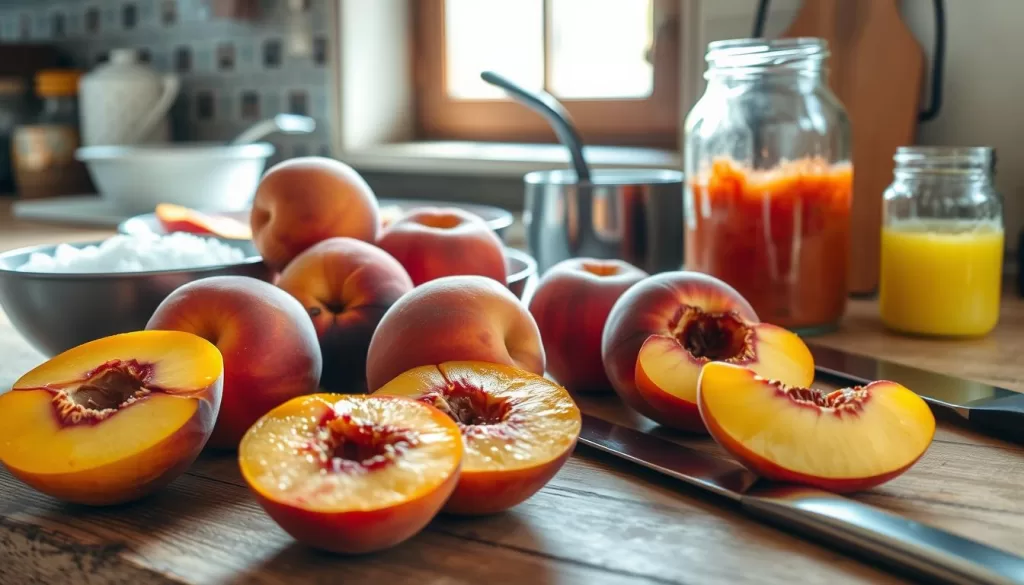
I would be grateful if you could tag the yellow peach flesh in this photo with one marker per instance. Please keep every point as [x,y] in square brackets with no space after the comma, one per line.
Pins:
[113,419]
[283,458]
[856,436]
[667,370]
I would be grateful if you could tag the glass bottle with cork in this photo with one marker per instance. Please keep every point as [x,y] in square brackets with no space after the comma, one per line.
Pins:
[769,181]
[43,154]
[942,243]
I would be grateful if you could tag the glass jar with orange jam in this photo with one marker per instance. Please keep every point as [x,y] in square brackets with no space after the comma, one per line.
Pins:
[769,181]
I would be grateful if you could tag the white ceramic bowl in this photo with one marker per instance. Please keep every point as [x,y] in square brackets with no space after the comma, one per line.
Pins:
[206,176]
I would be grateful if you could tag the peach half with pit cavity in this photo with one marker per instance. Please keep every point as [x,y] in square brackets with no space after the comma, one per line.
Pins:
[114,419]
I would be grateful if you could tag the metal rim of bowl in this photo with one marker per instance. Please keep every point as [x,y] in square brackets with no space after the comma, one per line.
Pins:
[528,270]
[503,218]
[249,260]
[603,177]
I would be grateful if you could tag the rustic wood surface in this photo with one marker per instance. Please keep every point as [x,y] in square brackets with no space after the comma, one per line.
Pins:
[599,521]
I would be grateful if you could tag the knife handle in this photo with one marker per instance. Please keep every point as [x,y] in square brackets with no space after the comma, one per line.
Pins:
[936,554]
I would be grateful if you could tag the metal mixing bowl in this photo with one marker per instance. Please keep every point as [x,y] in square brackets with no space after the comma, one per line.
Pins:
[58,311]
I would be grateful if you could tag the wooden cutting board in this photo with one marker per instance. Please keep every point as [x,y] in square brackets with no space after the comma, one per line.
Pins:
[877,69]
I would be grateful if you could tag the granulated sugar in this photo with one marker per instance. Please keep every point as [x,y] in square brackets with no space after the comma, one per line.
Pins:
[136,253]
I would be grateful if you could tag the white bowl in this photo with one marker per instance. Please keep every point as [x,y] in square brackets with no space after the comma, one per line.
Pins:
[206,176]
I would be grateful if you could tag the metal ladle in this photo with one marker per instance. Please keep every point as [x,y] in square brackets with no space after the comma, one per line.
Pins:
[284,123]
[554,112]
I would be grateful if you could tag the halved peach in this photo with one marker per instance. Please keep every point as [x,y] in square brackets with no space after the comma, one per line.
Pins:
[667,367]
[113,419]
[519,428]
[664,329]
[843,440]
[352,473]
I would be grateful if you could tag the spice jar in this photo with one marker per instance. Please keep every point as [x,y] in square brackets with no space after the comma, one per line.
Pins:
[769,181]
[43,154]
[15,108]
[942,243]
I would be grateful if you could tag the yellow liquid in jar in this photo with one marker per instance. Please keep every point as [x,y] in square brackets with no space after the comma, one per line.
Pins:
[941,277]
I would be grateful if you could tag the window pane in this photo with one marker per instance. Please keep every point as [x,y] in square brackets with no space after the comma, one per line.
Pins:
[504,36]
[599,49]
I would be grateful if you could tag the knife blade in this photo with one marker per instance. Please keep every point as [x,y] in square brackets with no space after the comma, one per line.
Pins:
[900,542]
[990,409]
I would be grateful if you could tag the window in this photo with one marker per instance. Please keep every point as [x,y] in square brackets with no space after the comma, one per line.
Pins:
[614,64]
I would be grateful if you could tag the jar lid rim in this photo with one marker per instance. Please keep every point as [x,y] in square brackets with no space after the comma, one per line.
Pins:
[751,51]
[945,156]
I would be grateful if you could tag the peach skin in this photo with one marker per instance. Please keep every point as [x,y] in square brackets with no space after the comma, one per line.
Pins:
[661,332]
[351,473]
[454,318]
[431,242]
[845,440]
[346,286]
[305,200]
[268,342]
[571,304]
[519,428]
[114,419]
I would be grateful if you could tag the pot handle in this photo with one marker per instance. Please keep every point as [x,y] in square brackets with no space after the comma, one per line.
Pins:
[171,86]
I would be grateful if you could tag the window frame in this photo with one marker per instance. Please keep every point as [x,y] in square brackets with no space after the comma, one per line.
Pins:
[653,121]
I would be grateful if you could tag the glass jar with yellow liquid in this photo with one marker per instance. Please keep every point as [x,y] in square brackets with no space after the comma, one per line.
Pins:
[942,243]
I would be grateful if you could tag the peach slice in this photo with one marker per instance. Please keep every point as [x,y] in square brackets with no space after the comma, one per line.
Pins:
[664,329]
[843,440]
[352,473]
[114,419]
[177,218]
[519,428]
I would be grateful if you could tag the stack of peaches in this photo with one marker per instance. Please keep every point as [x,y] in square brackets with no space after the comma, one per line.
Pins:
[388,375]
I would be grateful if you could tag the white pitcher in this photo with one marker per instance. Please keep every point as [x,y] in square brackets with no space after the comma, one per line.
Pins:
[123,101]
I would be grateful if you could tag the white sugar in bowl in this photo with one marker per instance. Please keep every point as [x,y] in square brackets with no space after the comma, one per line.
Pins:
[56,309]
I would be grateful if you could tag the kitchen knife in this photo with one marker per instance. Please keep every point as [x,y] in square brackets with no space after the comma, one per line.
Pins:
[992,410]
[904,544]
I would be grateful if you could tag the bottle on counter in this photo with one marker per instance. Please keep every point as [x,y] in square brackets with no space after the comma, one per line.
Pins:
[769,181]
[942,243]
[43,152]
[16,108]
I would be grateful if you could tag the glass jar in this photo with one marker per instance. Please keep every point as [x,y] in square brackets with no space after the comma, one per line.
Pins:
[43,155]
[16,107]
[942,243]
[769,181]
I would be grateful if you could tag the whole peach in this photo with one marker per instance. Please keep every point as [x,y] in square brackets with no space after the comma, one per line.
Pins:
[571,304]
[305,200]
[346,285]
[431,242]
[454,318]
[270,347]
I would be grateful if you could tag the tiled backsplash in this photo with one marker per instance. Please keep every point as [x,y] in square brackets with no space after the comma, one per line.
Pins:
[233,73]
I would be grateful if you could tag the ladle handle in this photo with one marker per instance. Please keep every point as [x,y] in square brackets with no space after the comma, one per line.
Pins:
[546,105]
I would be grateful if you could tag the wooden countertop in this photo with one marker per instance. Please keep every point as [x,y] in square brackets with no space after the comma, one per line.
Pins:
[598,521]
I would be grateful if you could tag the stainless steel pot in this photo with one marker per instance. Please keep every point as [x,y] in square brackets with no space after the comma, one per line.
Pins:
[634,215]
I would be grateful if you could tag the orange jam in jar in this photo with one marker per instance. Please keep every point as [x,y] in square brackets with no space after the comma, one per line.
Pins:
[779,236]
[769,181]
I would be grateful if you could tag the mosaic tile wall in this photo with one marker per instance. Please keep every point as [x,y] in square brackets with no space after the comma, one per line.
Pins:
[233,73]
